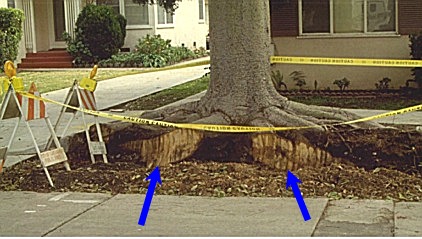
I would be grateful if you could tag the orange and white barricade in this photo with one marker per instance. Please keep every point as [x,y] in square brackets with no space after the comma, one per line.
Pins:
[81,94]
[17,106]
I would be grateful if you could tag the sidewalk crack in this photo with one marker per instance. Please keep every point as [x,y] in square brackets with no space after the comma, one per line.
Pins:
[322,217]
[76,216]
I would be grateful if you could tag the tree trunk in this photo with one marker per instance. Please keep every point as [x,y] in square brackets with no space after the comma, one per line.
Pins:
[241,86]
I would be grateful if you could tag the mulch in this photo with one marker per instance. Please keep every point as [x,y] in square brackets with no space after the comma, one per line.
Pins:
[125,174]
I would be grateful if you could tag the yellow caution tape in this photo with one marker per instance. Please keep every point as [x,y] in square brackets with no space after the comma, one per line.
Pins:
[345,61]
[388,114]
[214,128]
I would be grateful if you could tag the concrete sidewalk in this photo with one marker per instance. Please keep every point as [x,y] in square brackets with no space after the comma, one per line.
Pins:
[92,214]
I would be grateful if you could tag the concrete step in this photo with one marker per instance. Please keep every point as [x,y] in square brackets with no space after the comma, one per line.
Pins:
[50,53]
[45,65]
[48,59]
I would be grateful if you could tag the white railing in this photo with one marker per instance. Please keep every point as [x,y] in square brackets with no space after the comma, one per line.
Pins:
[71,9]
[29,26]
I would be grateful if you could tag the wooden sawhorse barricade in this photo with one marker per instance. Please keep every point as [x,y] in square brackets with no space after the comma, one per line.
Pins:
[17,106]
[82,95]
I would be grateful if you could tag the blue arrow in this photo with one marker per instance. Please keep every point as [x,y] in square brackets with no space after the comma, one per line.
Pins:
[154,177]
[293,181]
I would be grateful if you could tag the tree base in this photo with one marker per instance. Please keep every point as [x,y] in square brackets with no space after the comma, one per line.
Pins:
[162,146]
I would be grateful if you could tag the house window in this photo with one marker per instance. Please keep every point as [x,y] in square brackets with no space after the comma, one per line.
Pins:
[201,4]
[163,16]
[11,4]
[114,4]
[136,14]
[347,16]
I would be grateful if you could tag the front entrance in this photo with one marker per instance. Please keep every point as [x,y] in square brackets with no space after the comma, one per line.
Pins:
[57,24]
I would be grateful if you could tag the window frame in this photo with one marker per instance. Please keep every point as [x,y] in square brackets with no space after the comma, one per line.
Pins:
[122,8]
[203,12]
[166,24]
[9,3]
[365,32]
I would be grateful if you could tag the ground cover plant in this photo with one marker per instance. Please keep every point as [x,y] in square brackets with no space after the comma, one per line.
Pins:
[152,51]
[377,101]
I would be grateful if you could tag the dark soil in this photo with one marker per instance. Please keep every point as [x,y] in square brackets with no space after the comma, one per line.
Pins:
[356,100]
[375,164]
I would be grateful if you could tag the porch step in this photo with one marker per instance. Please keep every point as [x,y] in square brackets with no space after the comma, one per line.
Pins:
[33,65]
[47,59]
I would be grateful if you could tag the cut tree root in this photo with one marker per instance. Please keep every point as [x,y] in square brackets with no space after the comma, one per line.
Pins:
[161,147]
[284,154]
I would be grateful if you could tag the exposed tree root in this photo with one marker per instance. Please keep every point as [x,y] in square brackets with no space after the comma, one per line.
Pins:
[162,146]
[284,150]
[289,113]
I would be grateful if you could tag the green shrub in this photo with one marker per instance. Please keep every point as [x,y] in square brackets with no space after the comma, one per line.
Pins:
[122,22]
[99,34]
[201,51]
[152,45]
[177,54]
[278,80]
[342,84]
[77,48]
[10,33]
[383,84]
[298,77]
[151,51]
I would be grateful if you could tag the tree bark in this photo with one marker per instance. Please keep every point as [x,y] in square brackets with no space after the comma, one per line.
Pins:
[241,86]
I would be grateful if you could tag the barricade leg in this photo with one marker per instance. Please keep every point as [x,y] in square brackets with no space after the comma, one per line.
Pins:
[56,140]
[9,145]
[37,149]
[68,125]
[100,138]
[48,176]
[88,138]
[62,111]
[4,104]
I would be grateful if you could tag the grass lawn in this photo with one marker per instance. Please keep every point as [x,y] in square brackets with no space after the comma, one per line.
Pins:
[167,96]
[179,92]
[55,80]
